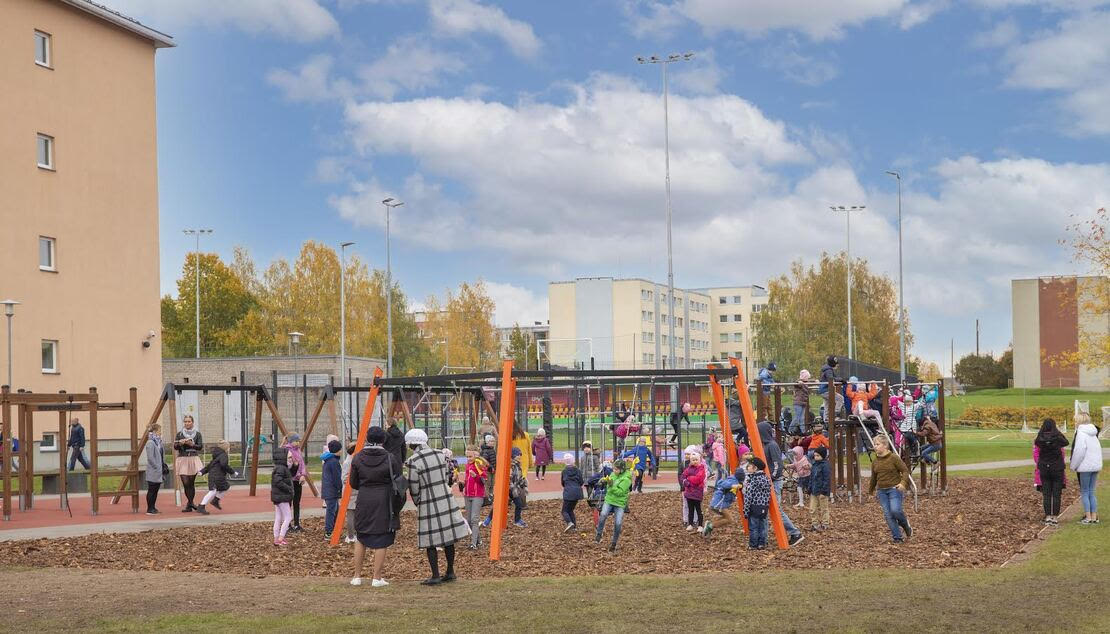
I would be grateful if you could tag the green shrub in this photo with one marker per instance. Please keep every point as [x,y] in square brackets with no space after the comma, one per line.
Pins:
[998,417]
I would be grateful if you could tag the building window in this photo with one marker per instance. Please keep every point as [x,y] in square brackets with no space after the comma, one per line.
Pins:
[735,299]
[739,355]
[49,442]
[645,295]
[49,356]
[46,151]
[724,318]
[737,317]
[42,49]
[737,337]
[757,308]
[724,337]
[46,254]
[679,324]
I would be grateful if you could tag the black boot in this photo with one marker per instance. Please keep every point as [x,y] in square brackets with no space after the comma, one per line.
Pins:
[216,503]
[200,509]
[433,563]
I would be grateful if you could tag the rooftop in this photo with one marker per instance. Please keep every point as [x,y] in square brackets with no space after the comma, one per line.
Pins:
[160,40]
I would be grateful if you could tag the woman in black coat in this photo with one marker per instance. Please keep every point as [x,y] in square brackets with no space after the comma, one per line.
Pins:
[376,521]
[1050,464]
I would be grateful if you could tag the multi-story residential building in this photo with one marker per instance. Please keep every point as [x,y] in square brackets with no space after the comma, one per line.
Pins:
[1052,316]
[733,308]
[79,176]
[624,324]
[537,331]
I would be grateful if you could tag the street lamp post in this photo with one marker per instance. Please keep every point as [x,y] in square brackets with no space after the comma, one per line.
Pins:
[9,311]
[197,233]
[343,313]
[295,340]
[446,353]
[848,264]
[664,62]
[390,204]
[901,303]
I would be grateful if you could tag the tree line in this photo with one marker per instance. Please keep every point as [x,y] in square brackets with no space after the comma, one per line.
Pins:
[247,313]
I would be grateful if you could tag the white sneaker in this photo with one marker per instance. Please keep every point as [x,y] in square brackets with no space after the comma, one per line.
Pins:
[689,527]
[701,529]
[356,581]
[350,540]
[379,583]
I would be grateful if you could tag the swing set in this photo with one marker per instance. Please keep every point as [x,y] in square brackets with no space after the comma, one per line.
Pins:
[509,380]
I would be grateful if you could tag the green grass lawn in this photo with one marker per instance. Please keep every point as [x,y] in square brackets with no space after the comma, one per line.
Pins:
[1043,397]
[1060,588]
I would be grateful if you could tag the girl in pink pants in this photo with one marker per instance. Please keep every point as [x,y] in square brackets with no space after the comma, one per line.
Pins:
[281,494]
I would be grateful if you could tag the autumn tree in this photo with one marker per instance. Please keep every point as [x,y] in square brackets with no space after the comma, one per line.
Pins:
[1089,241]
[522,347]
[223,303]
[463,320]
[805,318]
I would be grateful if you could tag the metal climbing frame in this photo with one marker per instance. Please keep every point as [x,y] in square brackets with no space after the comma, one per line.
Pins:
[510,380]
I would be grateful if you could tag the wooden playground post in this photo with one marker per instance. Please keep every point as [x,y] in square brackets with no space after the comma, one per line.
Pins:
[257,437]
[360,442]
[133,420]
[775,414]
[284,433]
[774,514]
[730,442]
[154,417]
[504,459]
[172,398]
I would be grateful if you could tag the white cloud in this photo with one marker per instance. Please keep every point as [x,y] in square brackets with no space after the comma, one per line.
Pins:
[819,20]
[796,66]
[411,64]
[1002,34]
[516,305]
[311,82]
[463,17]
[298,20]
[1073,59]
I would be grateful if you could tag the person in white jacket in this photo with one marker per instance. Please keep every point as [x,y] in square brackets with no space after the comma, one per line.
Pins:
[1086,461]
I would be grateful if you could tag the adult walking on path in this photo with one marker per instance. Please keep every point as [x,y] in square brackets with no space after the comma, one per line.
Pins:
[1048,449]
[188,444]
[76,444]
[376,520]
[1086,461]
[890,476]
[439,521]
[155,467]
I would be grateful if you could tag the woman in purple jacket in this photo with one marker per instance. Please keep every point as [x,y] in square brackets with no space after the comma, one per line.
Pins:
[542,452]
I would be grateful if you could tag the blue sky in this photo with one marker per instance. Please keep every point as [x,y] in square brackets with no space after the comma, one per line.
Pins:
[527,142]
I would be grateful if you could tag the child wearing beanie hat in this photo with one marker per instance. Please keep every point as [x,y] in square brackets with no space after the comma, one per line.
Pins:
[473,488]
[572,482]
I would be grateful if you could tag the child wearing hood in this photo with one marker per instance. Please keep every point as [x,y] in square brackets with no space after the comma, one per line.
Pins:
[644,461]
[572,482]
[218,470]
[331,484]
[693,491]
[801,468]
[589,463]
[299,469]
[281,494]
[724,497]
[819,490]
[542,451]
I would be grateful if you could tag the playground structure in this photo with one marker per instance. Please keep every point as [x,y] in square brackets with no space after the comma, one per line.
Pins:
[26,405]
[509,381]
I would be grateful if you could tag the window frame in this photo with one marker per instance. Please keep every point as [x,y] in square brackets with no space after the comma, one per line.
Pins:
[53,446]
[54,355]
[48,49]
[50,164]
[53,266]
[737,318]
[724,319]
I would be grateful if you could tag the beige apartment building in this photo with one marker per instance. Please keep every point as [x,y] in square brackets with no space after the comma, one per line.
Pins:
[1051,318]
[733,308]
[79,176]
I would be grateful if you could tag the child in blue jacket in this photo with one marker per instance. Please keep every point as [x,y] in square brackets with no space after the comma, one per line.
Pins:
[645,458]
[724,498]
[819,490]
[331,485]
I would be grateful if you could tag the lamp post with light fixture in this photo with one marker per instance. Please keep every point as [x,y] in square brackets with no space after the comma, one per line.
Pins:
[390,204]
[9,312]
[848,264]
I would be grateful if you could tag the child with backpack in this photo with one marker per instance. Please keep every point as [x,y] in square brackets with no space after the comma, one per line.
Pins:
[572,482]
[757,501]
[218,470]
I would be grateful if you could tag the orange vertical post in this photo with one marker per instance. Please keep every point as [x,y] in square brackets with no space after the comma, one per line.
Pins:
[363,427]
[504,459]
[730,442]
[774,514]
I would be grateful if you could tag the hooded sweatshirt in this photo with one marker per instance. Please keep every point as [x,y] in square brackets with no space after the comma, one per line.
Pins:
[801,465]
[1086,452]
[331,482]
[771,449]
[281,480]
[218,470]
[1050,458]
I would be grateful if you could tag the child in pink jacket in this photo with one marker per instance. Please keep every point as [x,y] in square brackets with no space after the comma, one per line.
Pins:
[473,486]
[802,469]
[693,490]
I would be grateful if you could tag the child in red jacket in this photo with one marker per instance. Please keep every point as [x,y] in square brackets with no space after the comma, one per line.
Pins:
[693,490]
[473,487]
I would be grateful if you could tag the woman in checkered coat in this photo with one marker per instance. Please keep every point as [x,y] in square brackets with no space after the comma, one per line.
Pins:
[440,522]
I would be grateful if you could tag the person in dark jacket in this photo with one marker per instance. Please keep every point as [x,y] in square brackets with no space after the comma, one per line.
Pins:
[395,441]
[218,470]
[376,520]
[76,444]
[1050,464]
[828,373]
[773,453]
[819,489]
[189,445]
[331,485]
[281,494]
[572,491]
